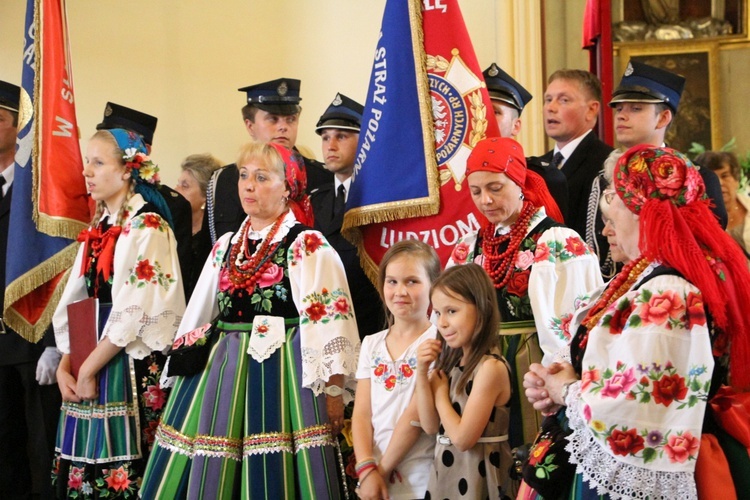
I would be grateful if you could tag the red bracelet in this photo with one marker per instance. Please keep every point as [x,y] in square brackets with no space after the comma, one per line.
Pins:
[364,468]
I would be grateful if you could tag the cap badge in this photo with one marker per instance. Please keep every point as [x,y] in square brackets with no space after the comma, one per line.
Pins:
[629,70]
[108,110]
[493,70]
[283,89]
[337,100]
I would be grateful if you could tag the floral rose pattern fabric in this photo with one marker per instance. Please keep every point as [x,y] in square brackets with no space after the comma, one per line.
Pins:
[643,390]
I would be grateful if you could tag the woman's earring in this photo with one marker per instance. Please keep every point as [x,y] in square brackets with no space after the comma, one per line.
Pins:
[520,196]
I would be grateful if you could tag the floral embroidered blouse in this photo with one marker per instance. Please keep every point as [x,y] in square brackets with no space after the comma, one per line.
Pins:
[147,297]
[554,267]
[638,410]
[319,294]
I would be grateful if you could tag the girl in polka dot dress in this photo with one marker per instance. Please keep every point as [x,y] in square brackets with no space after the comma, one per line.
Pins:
[464,399]
[393,455]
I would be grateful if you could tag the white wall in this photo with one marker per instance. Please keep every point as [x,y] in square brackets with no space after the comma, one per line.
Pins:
[182,60]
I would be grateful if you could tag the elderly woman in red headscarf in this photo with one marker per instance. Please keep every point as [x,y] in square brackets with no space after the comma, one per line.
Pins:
[538,266]
[259,419]
[653,347]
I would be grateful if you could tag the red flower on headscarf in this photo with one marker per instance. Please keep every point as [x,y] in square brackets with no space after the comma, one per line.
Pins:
[669,174]
[144,270]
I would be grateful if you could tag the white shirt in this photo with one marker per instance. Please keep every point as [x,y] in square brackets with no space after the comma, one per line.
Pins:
[569,148]
[347,184]
[8,174]
[392,385]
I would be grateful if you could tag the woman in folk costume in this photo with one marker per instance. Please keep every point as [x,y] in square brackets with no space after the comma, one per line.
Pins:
[538,267]
[643,384]
[128,261]
[259,420]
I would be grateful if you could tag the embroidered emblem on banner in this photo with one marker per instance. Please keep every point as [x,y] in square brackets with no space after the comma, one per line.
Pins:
[459,114]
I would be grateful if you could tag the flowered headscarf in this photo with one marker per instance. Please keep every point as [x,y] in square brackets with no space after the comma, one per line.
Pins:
[504,155]
[143,171]
[678,229]
[296,178]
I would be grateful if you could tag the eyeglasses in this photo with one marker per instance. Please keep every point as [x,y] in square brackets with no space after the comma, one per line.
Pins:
[609,195]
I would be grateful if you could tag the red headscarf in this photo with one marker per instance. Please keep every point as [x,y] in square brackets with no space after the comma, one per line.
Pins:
[505,156]
[296,178]
[678,229]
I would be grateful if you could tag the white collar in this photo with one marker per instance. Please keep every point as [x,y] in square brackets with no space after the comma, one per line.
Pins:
[286,224]
[347,184]
[570,147]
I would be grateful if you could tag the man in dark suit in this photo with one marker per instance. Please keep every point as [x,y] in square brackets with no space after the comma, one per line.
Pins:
[571,106]
[29,397]
[508,100]
[339,129]
[118,116]
[270,115]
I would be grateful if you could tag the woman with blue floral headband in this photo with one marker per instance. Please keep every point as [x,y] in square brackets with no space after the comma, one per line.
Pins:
[128,261]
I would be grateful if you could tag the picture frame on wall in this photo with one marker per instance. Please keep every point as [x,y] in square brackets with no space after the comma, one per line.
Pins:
[697,118]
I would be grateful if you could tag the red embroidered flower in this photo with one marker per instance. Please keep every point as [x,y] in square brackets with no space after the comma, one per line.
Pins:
[144,270]
[153,368]
[460,252]
[312,242]
[152,220]
[272,275]
[118,479]
[341,305]
[150,432]
[669,174]
[262,330]
[565,325]
[669,388]
[620,316]
[407,370]
[518,283]
[178,342]
[390,382]
[696,313]
[193,336]
[589,376]
[154,397]
[539,451]
[542,252]
[75,478]
[575,245]
[680,448]
[625,443]
[661,307]
[379,370]
[619,383]
[316,311]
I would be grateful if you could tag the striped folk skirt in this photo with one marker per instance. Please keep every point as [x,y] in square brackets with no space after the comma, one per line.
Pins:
[243,429]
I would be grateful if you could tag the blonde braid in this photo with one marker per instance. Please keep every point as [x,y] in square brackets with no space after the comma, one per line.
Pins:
[125,203]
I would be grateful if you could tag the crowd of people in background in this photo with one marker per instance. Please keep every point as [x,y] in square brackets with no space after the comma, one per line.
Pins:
[586,342]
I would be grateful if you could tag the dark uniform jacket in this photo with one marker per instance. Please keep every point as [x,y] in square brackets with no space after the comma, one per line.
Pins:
[367,305]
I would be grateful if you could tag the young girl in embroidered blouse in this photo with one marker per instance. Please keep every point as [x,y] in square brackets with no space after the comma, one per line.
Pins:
[464,397]
[394,455]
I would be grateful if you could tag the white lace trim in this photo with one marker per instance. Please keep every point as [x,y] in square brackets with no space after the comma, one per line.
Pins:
[139,333]
[339,356]
[608,475]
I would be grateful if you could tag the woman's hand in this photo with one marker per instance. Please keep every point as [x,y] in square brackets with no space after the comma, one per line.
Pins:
[427,353]
[335,408]
[373,486]
[65,381]
[544,386]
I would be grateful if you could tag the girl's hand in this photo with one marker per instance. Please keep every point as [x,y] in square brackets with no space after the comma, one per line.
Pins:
[439,384]
[373,486]
[67,383]
[86,387]
[427,353]
[335,407]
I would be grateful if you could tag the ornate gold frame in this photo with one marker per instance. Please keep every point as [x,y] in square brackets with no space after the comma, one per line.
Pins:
[699,63]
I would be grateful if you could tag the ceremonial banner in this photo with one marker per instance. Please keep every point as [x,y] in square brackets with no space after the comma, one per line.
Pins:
[426,108]
[49,206]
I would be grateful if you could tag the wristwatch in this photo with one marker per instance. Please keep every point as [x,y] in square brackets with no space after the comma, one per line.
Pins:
[566,389]
[334,390]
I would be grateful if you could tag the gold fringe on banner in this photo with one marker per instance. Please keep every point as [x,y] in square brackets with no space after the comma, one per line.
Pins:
[30,281]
